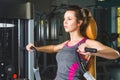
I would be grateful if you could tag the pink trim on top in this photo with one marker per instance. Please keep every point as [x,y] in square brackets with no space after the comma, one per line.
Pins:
[72,70]
[81,41]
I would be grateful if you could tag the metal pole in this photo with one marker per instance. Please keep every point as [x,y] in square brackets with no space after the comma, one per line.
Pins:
[30,55]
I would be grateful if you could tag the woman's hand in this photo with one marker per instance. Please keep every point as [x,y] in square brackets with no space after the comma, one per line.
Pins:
[28,47]
[81,49]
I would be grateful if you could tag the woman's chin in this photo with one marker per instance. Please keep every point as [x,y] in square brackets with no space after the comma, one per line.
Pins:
[66,31]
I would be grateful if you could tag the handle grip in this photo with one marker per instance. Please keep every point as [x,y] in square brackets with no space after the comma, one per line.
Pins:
[92,50]
[35,57]
[34,49]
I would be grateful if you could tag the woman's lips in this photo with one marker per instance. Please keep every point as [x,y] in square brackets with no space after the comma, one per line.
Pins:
[65,26]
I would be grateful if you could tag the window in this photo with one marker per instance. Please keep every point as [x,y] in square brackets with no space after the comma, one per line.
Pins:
[118,24]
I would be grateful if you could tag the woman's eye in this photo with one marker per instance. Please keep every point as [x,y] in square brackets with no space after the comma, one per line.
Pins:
[69,18]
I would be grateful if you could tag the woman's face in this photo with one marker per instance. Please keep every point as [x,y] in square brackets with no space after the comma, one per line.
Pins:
[70,21]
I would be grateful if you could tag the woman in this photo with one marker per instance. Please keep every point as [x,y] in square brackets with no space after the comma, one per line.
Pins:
[75,22]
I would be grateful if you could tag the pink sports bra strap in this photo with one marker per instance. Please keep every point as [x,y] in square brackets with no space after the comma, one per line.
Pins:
[83,40]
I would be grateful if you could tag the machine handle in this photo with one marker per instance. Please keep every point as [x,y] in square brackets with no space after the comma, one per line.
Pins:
[36,56]
[92,50]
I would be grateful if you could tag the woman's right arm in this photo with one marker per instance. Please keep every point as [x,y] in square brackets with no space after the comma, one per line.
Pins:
[47,48]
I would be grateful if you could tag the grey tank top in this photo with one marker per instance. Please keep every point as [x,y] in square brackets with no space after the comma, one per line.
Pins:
[68,67]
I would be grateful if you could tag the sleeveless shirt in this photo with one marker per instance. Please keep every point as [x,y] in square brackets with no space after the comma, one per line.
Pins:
[68,67]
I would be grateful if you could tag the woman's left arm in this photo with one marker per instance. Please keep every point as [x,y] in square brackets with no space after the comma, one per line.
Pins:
[108,53]
[102,50]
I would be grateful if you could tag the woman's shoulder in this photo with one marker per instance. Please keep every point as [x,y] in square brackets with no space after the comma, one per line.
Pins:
[92,42]
[65,42]
[60,45]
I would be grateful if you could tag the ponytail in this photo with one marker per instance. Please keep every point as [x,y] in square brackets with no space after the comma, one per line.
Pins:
[88,28]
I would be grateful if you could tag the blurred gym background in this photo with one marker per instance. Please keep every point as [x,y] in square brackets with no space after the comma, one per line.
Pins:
[40,22]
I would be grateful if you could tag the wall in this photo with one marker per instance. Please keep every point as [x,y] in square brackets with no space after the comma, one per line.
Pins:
[75,2]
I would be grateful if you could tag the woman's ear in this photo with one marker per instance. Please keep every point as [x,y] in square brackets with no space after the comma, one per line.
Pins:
[80,22]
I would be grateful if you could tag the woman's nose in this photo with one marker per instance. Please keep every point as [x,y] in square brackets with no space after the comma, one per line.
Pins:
[65,22]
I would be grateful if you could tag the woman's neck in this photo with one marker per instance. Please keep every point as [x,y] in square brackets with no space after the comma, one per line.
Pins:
[74,40]
[74,37]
